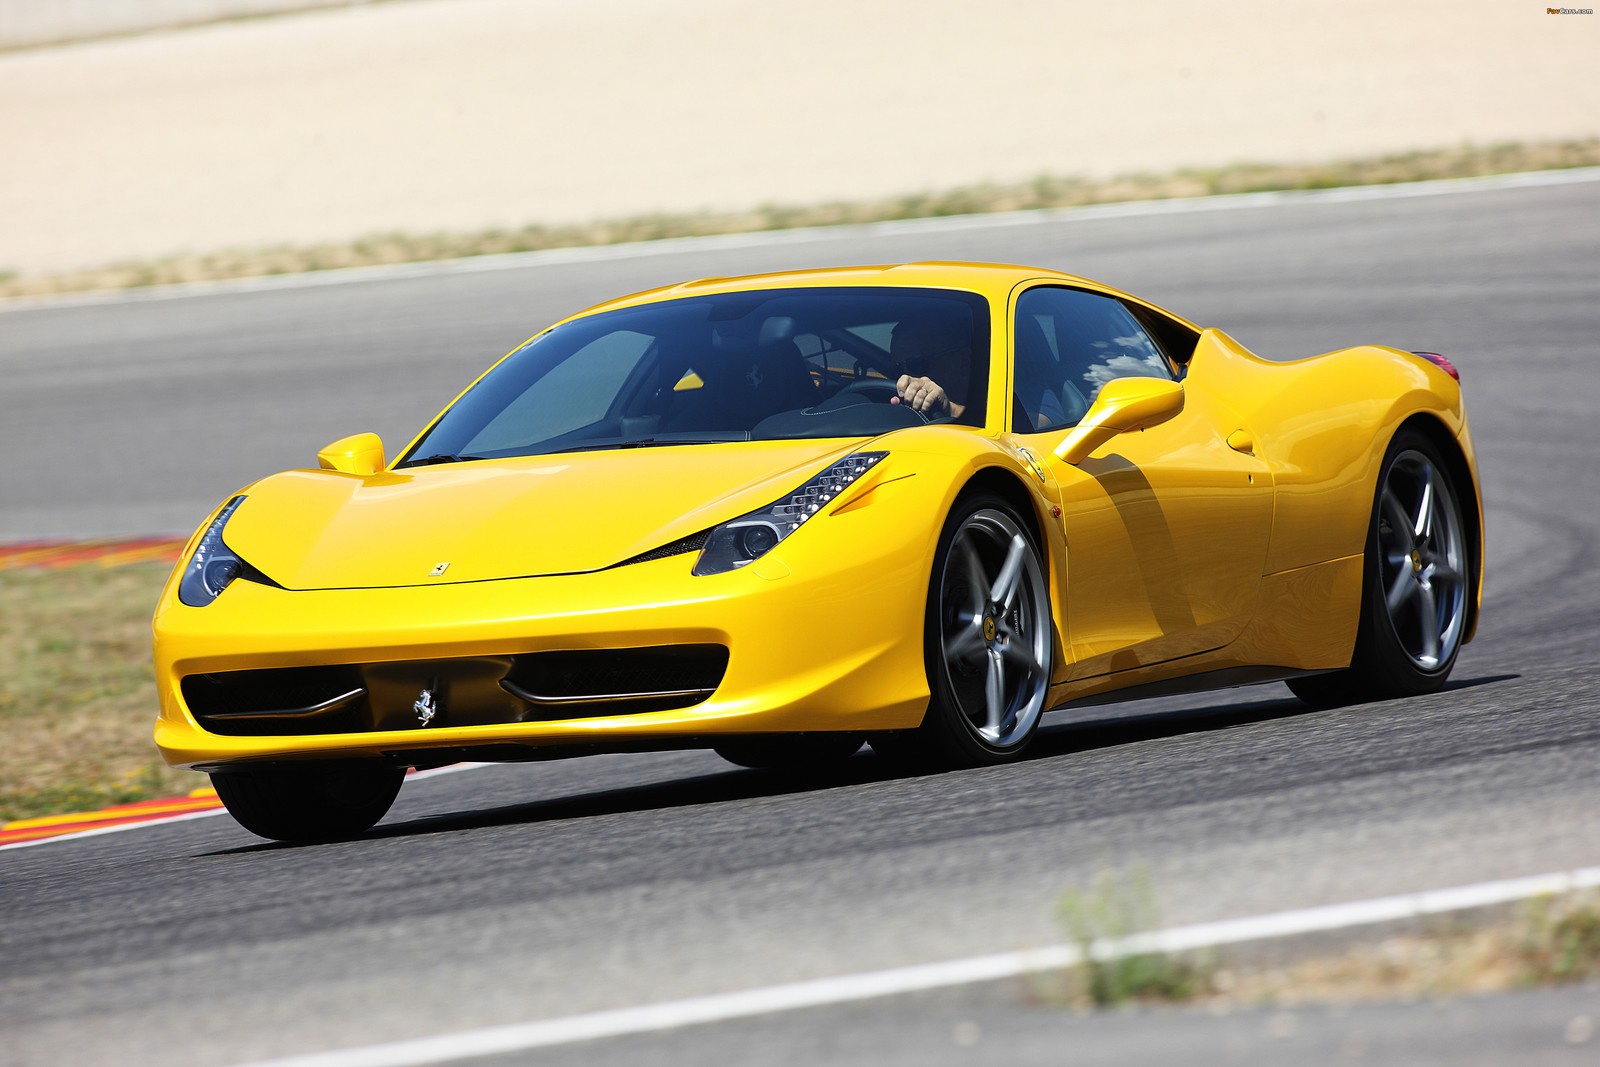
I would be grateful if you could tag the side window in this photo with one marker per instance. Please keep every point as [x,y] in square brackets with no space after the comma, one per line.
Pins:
[1066,345]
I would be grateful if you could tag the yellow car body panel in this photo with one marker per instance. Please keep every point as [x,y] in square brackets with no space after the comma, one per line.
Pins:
[504,518]
[819,633]
[1229,537]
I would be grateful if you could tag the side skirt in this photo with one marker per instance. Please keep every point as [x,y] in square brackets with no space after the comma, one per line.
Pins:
[1206,681]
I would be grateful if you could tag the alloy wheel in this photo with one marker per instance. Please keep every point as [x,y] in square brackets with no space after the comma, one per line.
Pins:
[1422,561]
[995,629]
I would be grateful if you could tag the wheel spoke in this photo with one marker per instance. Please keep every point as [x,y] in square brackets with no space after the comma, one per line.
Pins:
[1428,612]
[1402,589]
[966,641]
[1023,657]
[1005,584]
[978,584]
[1443,572]
[1399,521]
[1425,506]
[994,692]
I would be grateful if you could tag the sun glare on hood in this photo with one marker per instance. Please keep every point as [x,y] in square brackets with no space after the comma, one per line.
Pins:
[510,518]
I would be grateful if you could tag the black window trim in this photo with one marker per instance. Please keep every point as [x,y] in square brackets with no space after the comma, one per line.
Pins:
[1160,337]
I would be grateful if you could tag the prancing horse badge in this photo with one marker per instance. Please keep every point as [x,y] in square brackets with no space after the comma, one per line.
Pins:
[439,568]
[426,707]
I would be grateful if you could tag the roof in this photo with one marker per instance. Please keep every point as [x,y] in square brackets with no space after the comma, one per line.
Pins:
[991,279]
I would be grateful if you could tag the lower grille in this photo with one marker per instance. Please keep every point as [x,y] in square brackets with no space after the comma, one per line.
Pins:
[322,700]
[462,691]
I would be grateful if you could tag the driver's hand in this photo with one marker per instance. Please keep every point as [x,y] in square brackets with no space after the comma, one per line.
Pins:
[922,394]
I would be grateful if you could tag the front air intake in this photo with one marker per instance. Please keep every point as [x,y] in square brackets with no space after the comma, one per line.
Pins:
[462,691]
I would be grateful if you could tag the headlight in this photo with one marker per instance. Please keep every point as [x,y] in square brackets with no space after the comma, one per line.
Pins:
[749,537]
[213,565]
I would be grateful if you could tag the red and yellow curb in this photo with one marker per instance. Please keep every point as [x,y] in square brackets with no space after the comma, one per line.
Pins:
[19,830]
[111,552]
[199,801]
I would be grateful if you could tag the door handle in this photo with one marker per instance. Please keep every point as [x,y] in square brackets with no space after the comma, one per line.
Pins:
[1242,441]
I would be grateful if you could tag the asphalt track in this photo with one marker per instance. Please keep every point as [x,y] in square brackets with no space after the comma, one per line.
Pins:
[516,893]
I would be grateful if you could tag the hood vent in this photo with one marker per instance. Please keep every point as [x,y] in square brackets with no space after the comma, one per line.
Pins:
[692,543]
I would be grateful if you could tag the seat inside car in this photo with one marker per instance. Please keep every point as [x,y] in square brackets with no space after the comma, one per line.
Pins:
[747,375]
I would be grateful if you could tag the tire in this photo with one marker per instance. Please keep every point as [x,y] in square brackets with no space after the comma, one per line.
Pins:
[324,802]
[1416,588]
[988,643]
[788,752]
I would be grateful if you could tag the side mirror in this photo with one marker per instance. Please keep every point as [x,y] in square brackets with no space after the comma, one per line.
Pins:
[360,453]
[1124,405]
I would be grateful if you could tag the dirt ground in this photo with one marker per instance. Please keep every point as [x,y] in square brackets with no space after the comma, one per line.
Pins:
[443,115]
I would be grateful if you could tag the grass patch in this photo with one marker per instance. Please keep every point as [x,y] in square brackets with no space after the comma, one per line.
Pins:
[1044,191]
[1115,908]
[77,690]
[1546,941]
[1560,942]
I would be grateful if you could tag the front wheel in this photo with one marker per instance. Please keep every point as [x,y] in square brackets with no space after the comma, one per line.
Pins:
[989,642]
[320,802]
[1416,590]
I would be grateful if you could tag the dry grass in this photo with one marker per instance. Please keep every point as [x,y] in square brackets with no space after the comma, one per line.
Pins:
[77,692]
[1046,191]
[1544,942]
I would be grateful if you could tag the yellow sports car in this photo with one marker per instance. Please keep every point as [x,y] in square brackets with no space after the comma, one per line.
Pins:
[782,516]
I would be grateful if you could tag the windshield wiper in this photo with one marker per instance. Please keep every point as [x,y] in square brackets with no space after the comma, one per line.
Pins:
[438,457]
[653,442]
[600,446]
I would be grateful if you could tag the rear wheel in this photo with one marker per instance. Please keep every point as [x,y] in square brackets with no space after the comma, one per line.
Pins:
[1416,589]
[323,802]
[989,642]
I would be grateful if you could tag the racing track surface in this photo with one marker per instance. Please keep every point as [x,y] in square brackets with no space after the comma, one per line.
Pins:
[522,892]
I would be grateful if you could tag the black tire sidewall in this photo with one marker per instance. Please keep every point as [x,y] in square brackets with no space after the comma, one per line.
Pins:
[1380,654]
[322,803]
[945,729]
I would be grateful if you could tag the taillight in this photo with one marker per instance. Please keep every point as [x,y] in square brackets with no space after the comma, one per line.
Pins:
[1439,361]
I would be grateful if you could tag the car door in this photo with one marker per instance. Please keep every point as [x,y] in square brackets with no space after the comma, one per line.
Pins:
[1166,528]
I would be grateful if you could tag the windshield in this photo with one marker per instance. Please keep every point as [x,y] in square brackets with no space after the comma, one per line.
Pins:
[768,365]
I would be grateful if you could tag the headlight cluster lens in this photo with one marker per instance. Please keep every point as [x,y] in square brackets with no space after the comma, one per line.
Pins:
[213,565]
[749,537]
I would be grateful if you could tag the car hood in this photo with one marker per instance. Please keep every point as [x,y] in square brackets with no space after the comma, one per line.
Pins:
[507,518]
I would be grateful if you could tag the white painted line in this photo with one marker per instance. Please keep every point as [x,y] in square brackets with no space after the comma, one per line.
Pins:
[722,1007]
[78,835]
[808,235]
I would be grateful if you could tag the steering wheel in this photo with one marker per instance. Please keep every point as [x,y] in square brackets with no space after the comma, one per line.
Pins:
[873,390]
[877,390]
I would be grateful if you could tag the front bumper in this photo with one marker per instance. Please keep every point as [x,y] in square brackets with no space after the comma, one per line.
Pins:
[818,639]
